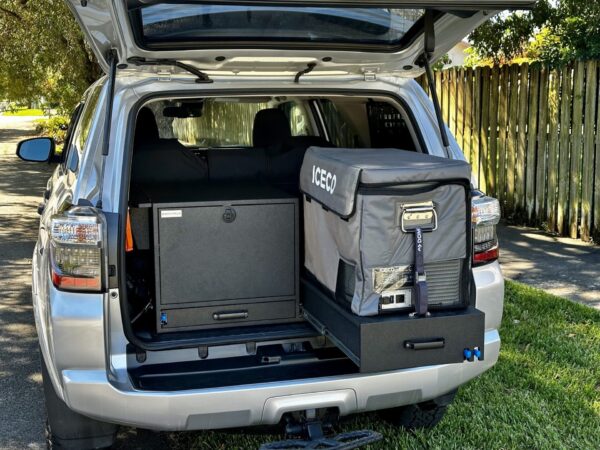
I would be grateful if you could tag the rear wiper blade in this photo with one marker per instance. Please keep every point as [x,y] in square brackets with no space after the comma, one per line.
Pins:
[139,61]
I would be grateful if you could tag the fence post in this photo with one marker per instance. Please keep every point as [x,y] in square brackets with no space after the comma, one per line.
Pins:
[460,107]
[502,123]
[452,100]
[542,138]
[492,164]
[511,143]
[468,145]
[522,138]
[486,160]
[587,177]
[532,130]
[564,149]
[554,119]
[576,151]
[475,136]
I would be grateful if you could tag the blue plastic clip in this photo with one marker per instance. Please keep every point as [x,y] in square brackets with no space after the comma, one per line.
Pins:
[163,318]
[467,353]
[477,352]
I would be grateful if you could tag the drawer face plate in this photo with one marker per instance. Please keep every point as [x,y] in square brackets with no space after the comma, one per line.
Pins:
[218,316]
[226,252]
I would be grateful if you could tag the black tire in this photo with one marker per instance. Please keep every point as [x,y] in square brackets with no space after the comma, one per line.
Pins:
[420,416]
[66,429]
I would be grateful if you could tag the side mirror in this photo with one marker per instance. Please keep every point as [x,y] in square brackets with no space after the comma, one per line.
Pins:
[36,149]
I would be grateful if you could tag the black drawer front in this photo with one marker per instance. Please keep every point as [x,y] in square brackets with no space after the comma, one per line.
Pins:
[396,341]
[226,252]
[218,316]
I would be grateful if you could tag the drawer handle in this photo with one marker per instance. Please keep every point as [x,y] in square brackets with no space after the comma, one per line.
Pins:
[425,345]
[230,315]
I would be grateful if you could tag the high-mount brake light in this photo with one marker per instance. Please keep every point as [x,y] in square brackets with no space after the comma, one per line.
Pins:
[76,249]
[485,215]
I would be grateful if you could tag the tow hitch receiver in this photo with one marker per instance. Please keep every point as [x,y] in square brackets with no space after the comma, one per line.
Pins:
[309,433]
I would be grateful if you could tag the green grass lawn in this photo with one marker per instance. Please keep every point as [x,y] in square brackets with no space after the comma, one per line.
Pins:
[24,112]
[544,393]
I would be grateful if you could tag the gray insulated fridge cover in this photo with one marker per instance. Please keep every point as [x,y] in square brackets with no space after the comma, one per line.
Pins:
[332,176]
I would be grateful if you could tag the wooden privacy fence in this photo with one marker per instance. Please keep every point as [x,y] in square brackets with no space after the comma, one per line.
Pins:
[532,136]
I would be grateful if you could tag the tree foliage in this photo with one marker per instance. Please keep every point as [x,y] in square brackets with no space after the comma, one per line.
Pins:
[554,32]
[43,53]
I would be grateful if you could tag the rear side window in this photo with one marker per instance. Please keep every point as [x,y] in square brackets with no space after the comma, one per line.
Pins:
[342,133]
[82,132]
[388,128]
[373,124]
[87,115]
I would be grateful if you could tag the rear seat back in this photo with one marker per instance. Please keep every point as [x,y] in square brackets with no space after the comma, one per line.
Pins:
[158,160]
[276,156]
[236,164]
[284,166]
[166,162]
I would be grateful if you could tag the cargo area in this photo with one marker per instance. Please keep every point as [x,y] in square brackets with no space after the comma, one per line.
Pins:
[234,250]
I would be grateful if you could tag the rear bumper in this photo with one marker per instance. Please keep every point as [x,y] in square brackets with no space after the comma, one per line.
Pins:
[84,347]
[90,393]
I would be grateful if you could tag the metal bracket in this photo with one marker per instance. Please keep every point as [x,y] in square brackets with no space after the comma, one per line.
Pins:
[343,441]
[370,74]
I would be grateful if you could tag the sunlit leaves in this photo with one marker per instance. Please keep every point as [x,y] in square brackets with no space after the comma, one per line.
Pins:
[43,53]
[555,32]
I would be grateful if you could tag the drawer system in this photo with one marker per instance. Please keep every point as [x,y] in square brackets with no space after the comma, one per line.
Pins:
[224,255]
[396,341]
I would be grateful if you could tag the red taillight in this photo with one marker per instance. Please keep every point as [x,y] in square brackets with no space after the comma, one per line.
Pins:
[485,216]
[487,255]
[76,250]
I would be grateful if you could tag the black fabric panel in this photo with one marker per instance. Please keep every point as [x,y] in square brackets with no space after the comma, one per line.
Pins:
[146,129]
[236,164]
[166,162]
[271,128]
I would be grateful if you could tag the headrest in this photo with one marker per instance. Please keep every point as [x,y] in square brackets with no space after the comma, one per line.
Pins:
[271,128]
[146,129]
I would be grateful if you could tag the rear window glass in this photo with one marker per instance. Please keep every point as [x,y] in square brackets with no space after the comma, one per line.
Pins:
[163,23]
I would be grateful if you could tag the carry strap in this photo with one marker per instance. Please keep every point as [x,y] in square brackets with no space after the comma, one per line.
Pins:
[421,300]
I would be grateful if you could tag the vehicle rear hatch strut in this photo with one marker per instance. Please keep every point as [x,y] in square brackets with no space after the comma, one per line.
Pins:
[424,61]
[113,60]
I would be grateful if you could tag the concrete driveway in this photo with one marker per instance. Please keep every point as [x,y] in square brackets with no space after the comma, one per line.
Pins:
[565,267]
[21,187]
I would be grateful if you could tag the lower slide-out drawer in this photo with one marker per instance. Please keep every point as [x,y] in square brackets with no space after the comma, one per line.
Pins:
[396,341]
[216,316]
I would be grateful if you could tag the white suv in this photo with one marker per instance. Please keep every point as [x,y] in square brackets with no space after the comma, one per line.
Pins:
[169,280]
